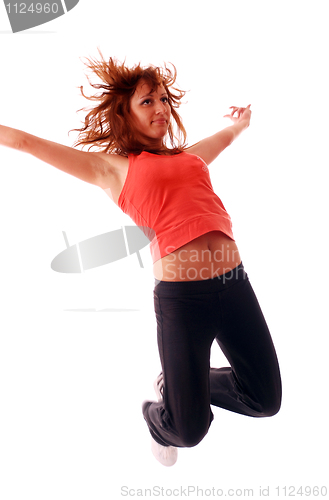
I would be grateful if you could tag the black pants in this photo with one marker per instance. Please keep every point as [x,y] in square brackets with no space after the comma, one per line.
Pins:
[190,315]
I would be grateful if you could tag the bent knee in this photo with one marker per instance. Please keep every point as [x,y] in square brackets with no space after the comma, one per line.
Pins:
[192,433]
[190,439]
[271,408]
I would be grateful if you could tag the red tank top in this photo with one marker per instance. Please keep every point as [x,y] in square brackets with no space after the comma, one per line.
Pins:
[173,196]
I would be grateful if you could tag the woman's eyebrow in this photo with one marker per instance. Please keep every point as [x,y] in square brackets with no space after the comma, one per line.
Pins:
[150,95]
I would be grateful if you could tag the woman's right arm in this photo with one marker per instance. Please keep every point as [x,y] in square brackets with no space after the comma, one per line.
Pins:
[209,148]
[93,168]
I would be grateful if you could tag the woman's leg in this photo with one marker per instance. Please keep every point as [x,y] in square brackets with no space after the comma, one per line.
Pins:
[190,315]
[252,384]
[185,336]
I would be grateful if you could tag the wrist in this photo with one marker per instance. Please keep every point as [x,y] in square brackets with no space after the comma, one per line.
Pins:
[243,124]
[237,128]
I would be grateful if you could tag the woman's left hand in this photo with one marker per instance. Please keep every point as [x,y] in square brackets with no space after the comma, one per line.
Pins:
[242,114]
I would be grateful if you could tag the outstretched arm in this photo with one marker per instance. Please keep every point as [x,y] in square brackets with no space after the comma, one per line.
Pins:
[208,149]
[89,167]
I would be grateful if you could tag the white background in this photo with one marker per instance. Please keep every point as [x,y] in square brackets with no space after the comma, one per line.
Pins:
[72,382]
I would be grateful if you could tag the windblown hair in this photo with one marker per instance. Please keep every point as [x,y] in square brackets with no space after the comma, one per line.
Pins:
[109,127]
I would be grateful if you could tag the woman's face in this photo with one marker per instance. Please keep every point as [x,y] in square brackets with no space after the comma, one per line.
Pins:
[150,111]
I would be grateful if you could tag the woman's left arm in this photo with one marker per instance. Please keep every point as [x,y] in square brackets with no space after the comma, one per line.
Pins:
[208,149]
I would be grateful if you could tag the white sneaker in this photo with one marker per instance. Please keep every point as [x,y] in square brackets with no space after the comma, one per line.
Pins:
[166,455]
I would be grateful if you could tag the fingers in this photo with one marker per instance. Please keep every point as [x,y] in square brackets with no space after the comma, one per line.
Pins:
[237,110]
[234,110]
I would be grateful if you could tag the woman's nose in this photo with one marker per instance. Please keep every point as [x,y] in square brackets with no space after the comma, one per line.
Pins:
[160,107]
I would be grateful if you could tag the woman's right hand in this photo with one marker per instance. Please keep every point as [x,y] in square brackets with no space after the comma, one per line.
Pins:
[243,114]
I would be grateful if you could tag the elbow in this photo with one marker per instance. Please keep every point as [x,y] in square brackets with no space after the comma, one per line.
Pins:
[20,141]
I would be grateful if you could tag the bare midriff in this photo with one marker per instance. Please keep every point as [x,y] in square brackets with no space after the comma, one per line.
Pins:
[205,257]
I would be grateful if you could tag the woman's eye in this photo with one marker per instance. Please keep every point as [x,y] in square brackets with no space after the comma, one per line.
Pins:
[165,100]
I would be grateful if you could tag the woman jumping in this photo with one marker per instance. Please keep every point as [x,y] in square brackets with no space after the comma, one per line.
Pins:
[202,291]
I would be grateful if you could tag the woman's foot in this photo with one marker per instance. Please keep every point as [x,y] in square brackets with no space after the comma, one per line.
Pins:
[166,455]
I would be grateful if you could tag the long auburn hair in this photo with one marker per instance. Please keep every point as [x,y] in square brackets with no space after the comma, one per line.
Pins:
[108,125]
